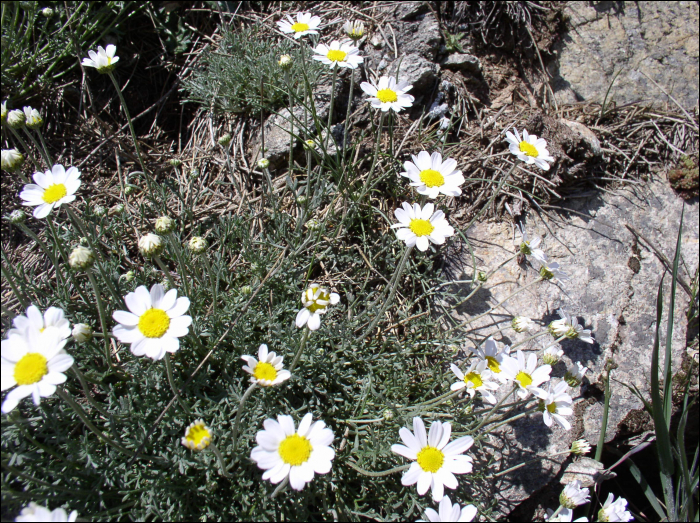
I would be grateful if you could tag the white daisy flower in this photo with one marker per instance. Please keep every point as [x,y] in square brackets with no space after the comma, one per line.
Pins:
[564,515]
[529,247]
[268,370]
[35,362]
[552,270]
[568,326]
[284,451]
[52,322]
[580,447]
[552,355]
[573,495]
[614,510]
[315,300]
[574,374]
[197,436]
[387,94]
[156,321]
[555,404]
[449,512]
[32,118]
[354,29]
[493,356]
[436,461]
[51,189]
[338,54]
[522,324]
[12,159]
[306,24]
[527,376]
[35,512]
[419,226]
[431,176]
[102,60]
[478,377]
[530,149]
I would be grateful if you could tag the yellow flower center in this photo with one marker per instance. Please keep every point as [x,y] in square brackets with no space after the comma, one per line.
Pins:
[336,55]
[552,407]
[299,27]
[432,178]
[421,227]
[430,459]
[475,378]
[264,371]
[387,95]
[529,149]
[54,193]
[525,248]
[316,306]
[295,450]
[493,364]
[523,378]
[196,435]
[30,369]
[546,273]
[154,323]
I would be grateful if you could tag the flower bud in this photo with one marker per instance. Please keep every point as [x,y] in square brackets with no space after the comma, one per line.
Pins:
[355,30]
[119,208]
[575,374]
[552,355]
[32,118]
[129,276]
[129,189]
[81,333]
[285,62]
[194,174]
[301,200]
[388,414]
[3,113]
[522,324]
[263,163]
[310,145]
[12,159]
[17,216]
[175,162]
[246,290]
[16,118]
[150,245]
[165,225]
[482,277]
[81,258]
[165,282]
[197,245]
[313,224]
[47,12]
[84,241]
[580,447]
[224,140]
[99,210]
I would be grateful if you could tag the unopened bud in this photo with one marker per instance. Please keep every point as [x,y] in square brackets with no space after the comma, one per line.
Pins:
[285,62]
[129,189]
[17,216]
[129,276]
[12,159]
[224,140]
[81,333]
[263,163]
[16,118]
[175,162]
[119,208]
[99,210]
[81,258]
[47,12]
[150,245]
[197,245]
[164,225]
[246,290]
[32,118]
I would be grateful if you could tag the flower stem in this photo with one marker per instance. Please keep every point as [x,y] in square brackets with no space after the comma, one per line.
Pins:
[88,396]
[43,154]
[302,343]
[516,467]
[171,381]
[534,336]
[280,487]
[164,268]
[214,283]
[178,255]
[246,395]
[377,474]
[220,457]
[29,154]
[509,420]
[494,409]
[101,312]
[330,109]
[46,149]
[376,155]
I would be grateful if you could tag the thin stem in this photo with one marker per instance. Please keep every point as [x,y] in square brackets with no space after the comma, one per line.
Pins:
[246,395]
[291,123]
[488,204]
[171,382]
[606,408]
[46,159]
[516,467]
[131,124]
[178,255]
[214,285]
[376,154]
[302,343]
[86,391]
[30,155]
[509,420]
[46,149]
[101,312]
[377,474]
[220,457]
[330,110]
[494,409]
[166,271]
[280,487]
[534,336]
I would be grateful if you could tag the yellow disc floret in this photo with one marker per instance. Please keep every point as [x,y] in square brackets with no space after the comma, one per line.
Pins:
[523,378]
[387,95]
[199,436]
[316,306]
[54,193]
[300,27]
[430,459]
[552,408]
[154,323]
[493,364]
[432,178]
[264,371]
[295,450]
[475,378]
[336,55]
[30,369]
[421,227]
[529,149]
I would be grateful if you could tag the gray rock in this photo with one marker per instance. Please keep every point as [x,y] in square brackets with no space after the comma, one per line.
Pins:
[409,10]
[462,61]
[417,71]
[656,39]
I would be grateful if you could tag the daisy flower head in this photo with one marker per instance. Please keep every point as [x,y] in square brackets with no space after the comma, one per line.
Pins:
[150,245]
[197,436]
[614,510]
[354,29]
[16,118]
[51,189]
[568,326]
[552,355]
[305,24]
[34,512]
[530,149]
[388,94]
[564,515]
[431,176]
[552,271]
[448,512]
[420,227]
[155,322]
[493,356]
[555,404]
[528,247]
[298,454]
[573,495]
[315,300]
[522,324]
[435,462]
[338,54]
[12,159]
[267,370]
[526,375]
[574,374]
[478,377]
[103,60]
[32,118]
[51,322]
[580,447]
[35,362]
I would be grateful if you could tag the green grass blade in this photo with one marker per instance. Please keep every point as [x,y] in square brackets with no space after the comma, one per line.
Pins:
[648,492]
[668,376]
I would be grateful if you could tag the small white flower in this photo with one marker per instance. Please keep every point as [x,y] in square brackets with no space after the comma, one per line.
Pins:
[565,515]
[529,247]
[493,356]
[150,245]
[315,300]
[568,326]
[12,159]
[51,189]
[431,176]
[526,375]
[354,29]
[530,149]
[33,361]
[32,118]
[552,270]
[81,332]
[37,513]
[614,510]
[81,258]
[17,216]
[574,374]
[580,447]
[47,12]
[197,245]
[419,226]
[436,461]
[478,377]
[263,163]
[267,370]
[387,94]
[156,321]
[16,118]
[552,355]
[338,54]
[522,324]
[573,495]
[165,225]
[102,60]
[197,436]
[53,321]
[449,512]
[285,62]
[555,404]
[304,25]
[3,113]
[298,454]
